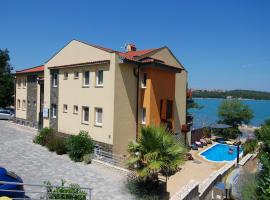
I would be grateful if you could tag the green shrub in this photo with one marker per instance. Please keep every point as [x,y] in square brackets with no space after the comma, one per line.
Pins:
[44,136]
[73,191]
[231,133]
[250,146]
[87,158]
[248,185]
[57,144]
[61,146]
[50,144]
[144,189]
[79,145]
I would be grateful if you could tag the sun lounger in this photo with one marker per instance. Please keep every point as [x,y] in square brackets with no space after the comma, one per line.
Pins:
[198,144]
[204,143]
[208,140]
[229,142]
[194,147]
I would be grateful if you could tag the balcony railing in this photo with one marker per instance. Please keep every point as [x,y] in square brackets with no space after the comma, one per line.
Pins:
[39,192]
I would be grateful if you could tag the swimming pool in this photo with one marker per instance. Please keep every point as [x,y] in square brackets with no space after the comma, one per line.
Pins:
[220,153]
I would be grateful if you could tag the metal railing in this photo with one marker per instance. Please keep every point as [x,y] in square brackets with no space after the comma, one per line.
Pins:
[110,158]
[27,191]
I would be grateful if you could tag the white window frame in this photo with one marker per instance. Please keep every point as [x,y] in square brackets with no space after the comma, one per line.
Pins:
[74,109]
[54,110]
[76,77]
[18,104]
[65,108]
[86,85]
[83,115]
[97,78]
[65,75]
[143,84]
[99,124]
[54,79]
[144,116]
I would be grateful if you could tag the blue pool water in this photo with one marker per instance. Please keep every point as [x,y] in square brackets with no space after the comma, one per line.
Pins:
[220,153]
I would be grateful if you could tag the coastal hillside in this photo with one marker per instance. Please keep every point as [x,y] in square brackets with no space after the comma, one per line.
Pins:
[242,94]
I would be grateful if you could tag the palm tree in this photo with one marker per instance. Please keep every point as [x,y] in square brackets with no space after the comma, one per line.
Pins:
[156,152]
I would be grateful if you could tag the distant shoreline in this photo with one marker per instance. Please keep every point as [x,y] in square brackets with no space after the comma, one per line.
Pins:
[232,99]
[231,94]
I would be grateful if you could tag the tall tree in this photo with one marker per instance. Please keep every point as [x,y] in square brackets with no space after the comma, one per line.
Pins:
[6,80]
[234,113]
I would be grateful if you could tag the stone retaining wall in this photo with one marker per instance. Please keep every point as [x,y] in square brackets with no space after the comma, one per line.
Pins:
[189,192]
[203,191]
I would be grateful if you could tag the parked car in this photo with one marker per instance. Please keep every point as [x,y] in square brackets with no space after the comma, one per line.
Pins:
[16,191]
[6,114]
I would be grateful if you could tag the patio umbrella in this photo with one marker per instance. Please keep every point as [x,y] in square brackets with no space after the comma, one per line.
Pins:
[219,126]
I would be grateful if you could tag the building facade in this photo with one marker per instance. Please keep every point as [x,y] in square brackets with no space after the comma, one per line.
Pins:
[29,96]
[110,94]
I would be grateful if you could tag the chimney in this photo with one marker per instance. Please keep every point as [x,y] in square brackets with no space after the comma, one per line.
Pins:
[131,47]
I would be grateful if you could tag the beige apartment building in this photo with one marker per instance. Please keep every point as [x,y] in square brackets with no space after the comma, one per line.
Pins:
[109,94]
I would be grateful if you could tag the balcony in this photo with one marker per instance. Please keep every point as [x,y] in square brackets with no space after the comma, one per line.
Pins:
[185,128]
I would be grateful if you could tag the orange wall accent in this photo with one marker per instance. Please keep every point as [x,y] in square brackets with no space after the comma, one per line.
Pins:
[160,85]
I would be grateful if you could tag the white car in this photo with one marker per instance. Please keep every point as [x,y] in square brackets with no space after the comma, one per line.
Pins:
[6,114]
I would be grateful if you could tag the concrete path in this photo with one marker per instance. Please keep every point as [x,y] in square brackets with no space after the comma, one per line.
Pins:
[35,164]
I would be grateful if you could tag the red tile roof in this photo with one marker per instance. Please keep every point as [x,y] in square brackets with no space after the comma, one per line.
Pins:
[82,64]
[133,54]
[31,70]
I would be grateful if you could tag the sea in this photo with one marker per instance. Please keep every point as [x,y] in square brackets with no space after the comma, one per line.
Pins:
[209,113]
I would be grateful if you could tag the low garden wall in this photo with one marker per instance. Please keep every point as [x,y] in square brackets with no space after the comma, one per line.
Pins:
[189,192]
[203,191]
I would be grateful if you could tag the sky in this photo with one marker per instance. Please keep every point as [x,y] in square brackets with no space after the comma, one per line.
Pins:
[223,44]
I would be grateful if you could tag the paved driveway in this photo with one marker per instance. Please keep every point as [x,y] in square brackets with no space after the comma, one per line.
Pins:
[35,164]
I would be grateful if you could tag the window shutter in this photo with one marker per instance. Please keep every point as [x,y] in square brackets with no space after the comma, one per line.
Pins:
[169,109]
[163,109]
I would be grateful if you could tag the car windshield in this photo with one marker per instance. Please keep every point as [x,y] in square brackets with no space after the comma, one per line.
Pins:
[5,112]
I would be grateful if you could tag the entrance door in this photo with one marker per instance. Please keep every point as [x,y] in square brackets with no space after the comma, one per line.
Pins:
[41,103]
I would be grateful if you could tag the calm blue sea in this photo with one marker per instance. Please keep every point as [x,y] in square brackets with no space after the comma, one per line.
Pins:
[208,114]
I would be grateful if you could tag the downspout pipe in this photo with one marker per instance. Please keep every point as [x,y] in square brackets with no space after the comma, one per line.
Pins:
[137,74]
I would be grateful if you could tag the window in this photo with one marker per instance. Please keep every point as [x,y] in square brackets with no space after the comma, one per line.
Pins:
[18,104]
[54,79]
[75,109]
[65,75]
[86,78]
[99,78]
[76,75]
[166,109]
[28,102]
[85,113]
[24,83]
[23,105]
[98,116]
[144,79]
[54,110]
[65,108]
[143,116]
[19,83]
